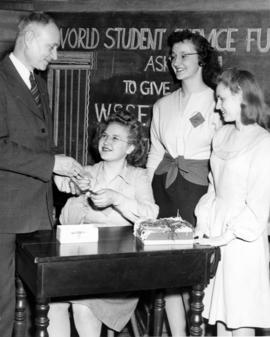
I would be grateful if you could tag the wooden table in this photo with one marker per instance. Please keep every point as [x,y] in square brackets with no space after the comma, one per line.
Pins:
[118,262]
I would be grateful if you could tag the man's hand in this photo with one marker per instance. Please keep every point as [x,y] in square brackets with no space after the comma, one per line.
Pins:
[67,166]
[65,184]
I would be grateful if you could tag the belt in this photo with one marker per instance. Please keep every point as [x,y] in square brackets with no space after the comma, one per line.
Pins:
[195,171]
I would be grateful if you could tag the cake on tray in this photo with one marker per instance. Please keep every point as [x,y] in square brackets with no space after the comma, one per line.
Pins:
[172,230]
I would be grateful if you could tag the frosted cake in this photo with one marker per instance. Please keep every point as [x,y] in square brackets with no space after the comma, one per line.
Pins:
[164,231]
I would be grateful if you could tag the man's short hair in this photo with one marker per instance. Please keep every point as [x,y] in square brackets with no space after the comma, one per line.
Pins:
[34,17]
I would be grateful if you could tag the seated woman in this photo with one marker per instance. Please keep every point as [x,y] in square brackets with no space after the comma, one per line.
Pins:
[114,192]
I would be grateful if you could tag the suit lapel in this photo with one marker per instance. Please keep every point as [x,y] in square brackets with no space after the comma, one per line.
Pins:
[18,88]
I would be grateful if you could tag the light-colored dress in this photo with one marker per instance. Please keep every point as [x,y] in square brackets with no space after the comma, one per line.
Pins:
[238,198]
[136,202]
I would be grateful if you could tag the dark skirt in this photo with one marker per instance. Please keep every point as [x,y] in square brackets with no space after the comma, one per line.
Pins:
[181,195]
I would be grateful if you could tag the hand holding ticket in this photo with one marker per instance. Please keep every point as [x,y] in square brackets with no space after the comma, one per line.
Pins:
[83,182]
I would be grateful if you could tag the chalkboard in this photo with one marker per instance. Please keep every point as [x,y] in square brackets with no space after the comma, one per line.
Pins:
[117,59]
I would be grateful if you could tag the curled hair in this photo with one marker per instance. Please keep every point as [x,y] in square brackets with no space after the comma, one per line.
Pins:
[208,56]
[136,135]
[253,106]
[34,17]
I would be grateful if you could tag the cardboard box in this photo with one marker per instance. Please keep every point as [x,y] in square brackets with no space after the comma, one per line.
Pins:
[75,249]
[77,233]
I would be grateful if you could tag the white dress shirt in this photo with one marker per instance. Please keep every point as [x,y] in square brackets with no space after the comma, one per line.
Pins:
[21,68]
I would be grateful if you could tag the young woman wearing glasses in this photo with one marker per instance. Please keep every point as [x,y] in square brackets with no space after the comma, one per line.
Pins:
[182,128]
[114,192]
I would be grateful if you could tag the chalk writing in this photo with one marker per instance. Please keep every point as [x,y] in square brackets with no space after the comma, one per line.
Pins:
[134,38]
[156,64]
[152,88]
[223,39]
[79,38]
[130,87]
[103,110]
[255,37]
[148,88]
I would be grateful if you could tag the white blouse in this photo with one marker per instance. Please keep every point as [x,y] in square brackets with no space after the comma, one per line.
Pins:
[136,199]
[172,130]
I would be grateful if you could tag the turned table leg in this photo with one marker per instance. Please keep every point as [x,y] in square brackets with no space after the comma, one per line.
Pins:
[196,309]
[41,318]
[158,314]
[19,324]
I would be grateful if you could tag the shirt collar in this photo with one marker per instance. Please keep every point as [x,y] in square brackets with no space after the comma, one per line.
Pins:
[21,68]
[124,174]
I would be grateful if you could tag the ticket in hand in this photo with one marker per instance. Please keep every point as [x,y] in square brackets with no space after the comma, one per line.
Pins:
[84,183]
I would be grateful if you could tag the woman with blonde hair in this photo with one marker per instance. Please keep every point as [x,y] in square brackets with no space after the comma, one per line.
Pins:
[234,211]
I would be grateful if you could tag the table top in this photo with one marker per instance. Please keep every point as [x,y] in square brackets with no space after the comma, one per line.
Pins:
[51,269]
[43,246]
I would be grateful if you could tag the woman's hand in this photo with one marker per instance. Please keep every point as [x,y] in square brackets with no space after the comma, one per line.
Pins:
[83,183]
[217,241]
[199,234]
[105,197]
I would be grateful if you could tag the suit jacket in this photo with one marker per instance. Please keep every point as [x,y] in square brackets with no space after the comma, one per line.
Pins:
[26,155]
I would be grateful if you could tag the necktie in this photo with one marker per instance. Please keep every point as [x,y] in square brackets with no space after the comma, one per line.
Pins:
[34,90]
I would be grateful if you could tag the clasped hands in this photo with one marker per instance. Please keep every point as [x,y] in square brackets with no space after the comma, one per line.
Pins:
[222,240]
[101,198]
[70,177]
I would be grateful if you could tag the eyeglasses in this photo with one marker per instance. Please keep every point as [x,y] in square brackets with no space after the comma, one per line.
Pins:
[114,139]
[173,58]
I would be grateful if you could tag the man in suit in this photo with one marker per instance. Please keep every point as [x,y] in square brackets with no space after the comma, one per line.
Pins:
[27,160]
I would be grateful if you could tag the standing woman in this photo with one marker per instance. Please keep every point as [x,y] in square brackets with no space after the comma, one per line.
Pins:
[234,212]
[182,128]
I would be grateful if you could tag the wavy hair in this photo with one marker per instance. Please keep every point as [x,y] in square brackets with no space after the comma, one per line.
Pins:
[253,107]
[136,135]
[208,56]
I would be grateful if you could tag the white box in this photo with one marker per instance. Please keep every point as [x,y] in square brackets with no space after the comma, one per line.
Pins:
[77,233]
[75,249]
